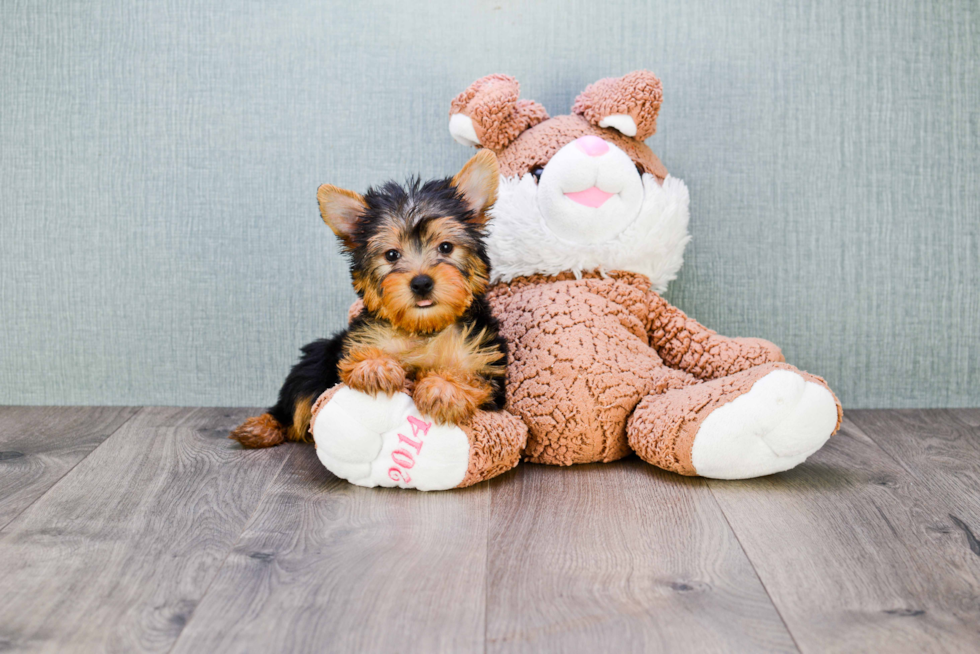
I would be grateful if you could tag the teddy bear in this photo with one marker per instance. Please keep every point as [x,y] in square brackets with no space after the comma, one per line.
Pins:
[587,230]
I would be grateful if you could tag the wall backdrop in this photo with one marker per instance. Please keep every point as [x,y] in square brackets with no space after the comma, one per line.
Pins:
[159,237]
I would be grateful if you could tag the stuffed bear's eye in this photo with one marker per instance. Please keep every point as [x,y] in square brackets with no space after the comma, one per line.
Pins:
[445,247]
[537,173]
[392,256]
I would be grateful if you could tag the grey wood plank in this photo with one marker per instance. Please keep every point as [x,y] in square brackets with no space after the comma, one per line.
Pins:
[941,449]
[619,557]
[856,553]
[115,556]
[38,445]
[328,566]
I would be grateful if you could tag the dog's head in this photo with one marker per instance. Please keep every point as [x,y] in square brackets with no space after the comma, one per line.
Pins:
[417,252]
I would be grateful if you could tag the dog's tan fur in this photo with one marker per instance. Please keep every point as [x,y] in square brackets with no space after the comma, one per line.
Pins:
[380,355]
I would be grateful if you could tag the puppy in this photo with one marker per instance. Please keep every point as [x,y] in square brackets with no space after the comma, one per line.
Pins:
[419,265]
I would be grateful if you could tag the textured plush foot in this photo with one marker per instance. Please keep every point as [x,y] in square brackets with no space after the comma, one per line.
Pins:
[260,431]
[781,421]
[497,441]
[385,441]
[754,423]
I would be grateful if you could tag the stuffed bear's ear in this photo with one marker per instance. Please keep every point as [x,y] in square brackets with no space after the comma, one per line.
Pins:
[340,208]
[488,113]
[629,104]
[477,183]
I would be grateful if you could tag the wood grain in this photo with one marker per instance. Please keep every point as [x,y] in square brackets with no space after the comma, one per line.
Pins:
[117,555]
[166,535]
[619,557]
[857,554]
[38,445]
[328,566]
[940,448]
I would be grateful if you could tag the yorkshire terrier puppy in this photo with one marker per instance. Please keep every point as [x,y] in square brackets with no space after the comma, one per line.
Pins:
[418,263]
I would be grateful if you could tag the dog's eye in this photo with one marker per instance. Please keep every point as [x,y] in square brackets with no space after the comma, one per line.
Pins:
[445,248]
[392,256]
[536,172]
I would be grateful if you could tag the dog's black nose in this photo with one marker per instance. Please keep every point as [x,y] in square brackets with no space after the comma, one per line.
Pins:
[421,285]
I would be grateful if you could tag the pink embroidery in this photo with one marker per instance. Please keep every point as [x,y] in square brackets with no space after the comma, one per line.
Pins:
[403,458]
[408,441]
[397,475]
[417,425]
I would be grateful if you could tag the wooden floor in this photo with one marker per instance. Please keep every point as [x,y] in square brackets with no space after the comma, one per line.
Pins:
[146,529]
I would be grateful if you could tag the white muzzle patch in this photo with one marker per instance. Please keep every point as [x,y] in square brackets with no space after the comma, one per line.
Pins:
[589,191]
[521,241]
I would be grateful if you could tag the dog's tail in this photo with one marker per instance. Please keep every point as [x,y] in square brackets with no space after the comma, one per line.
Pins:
[260,431]
[289,419]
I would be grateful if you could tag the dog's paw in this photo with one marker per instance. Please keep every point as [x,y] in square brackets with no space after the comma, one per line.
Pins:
[446,399]
[775,426]
[386,441]
[372,373]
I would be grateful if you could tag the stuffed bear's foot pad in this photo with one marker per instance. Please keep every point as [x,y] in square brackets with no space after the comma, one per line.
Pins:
[775,426]
[385,441]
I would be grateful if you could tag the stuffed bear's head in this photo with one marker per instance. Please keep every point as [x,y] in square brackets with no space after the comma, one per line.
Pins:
[580,192]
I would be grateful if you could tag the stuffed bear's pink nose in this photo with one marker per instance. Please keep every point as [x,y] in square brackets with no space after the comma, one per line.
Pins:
[592,145]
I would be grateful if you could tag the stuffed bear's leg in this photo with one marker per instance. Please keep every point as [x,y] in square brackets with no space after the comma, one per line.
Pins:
[756,422]
[385,441]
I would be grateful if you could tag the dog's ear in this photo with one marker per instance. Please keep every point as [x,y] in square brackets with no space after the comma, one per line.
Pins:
[488,113]
[340,208]
[476,182]
[629,104]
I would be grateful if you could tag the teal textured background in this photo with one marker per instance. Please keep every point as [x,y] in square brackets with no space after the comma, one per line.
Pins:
[159,239]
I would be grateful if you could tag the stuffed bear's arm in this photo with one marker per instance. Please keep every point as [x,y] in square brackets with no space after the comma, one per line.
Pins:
[685,344]
[355,310]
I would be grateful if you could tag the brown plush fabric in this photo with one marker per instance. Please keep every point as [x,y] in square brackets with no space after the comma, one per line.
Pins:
[683,343]
[523,137]
[536,146]
[637,94]
[497,439]
[498,116]
[663,427]
[355,309]
[580,362]
[582,359]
